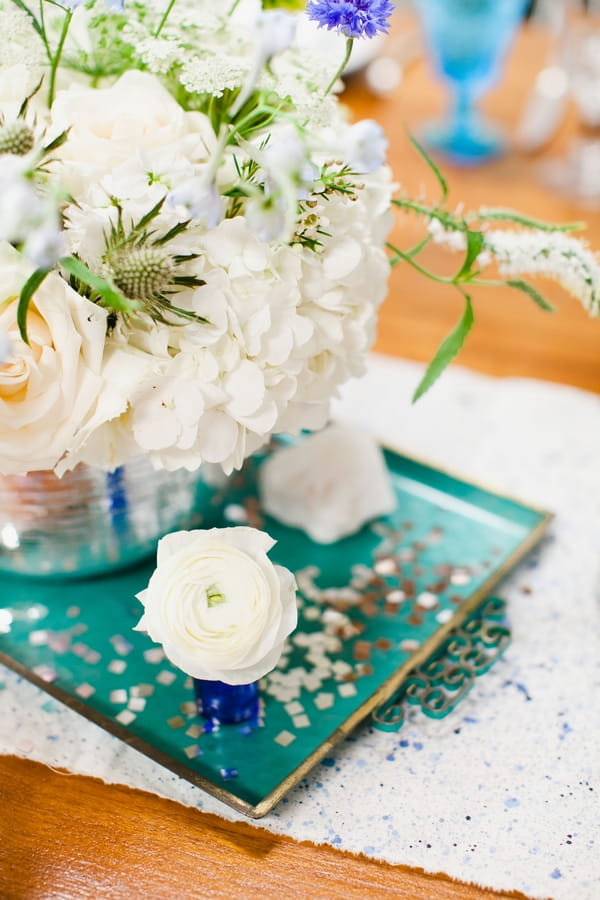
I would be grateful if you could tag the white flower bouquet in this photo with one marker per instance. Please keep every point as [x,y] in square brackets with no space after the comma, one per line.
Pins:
[192,236]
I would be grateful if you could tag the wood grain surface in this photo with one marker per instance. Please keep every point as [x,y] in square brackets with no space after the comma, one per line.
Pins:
[69,837]
[66,836]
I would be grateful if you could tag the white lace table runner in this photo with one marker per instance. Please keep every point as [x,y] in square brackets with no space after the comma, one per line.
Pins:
[503,792]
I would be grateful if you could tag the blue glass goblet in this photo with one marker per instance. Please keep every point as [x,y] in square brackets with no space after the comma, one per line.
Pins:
[468,41]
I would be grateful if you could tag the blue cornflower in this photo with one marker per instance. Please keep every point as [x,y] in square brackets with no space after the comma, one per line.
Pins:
[352,18]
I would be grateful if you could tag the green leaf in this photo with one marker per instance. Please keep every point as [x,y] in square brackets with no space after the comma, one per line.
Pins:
[434,168]
[27,292]
[25,103]
[431,212]
[173,232]
[190,281]
[152,214]
[447,350]
[531,292]
[475,241]
[57,142]
[510,215]
[108,293]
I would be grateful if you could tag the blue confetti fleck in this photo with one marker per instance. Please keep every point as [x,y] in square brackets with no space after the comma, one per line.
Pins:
[511,802]
[556,874]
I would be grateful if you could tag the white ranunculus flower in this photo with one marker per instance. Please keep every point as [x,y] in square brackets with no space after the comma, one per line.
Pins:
[330,485]
[220,608]
[49,386]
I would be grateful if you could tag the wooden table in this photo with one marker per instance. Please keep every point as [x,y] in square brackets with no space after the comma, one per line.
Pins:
[66,836]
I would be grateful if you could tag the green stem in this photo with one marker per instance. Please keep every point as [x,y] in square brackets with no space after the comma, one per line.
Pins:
[349,44]
[441,215]
[405,257]
[57,55]
[233,7]
[42,32]
[166,14]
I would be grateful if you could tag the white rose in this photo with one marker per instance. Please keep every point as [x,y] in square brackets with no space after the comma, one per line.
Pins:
[330,485]
[109,126]
[218,605]
[48,387]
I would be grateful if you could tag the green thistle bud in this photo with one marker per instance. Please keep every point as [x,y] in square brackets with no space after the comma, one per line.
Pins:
[142,273]
[16,138]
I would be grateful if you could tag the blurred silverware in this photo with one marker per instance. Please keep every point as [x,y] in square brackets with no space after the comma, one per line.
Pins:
[544,110]
[545,107]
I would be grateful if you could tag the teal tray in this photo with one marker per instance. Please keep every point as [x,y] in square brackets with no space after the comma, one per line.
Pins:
[372,608]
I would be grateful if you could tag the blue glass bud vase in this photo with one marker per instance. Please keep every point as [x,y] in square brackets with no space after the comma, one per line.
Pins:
[226,704]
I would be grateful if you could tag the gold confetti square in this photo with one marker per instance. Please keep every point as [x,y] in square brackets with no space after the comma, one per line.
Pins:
[192,751]
[166,677]
[188,708]
[284,738]
[118,696]
[301,721]
[85,690]
[38,638]
[142,690]
[347,689]
[125,717]
[137,704]
[176,722]
[117,666]
[324,701]
[194,731]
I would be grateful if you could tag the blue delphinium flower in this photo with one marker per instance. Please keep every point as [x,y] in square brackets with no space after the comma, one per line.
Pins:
[352,18]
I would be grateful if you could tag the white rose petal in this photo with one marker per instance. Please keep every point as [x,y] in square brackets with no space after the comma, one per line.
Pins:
[330,485]
[48,387]
[220,608]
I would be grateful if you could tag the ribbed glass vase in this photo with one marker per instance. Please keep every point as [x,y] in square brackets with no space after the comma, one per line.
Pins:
[91,522]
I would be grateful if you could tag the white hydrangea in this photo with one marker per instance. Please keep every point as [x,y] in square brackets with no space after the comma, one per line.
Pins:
[288,325]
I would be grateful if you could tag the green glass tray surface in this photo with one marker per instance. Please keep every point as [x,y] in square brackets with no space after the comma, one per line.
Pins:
[371,608]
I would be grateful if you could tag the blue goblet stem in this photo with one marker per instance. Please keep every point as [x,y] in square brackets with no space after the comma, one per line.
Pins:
[226,704]
[463,114]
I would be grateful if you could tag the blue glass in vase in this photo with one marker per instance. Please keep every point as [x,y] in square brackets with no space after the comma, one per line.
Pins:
[226,704]
[468,41]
